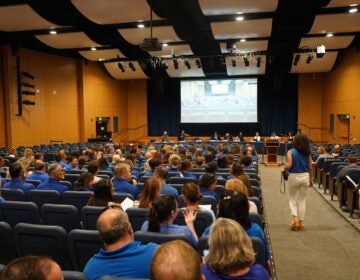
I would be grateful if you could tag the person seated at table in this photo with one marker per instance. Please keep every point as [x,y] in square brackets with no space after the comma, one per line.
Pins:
[215,137]
[290,137]
[165,137]
[274,136]
[183,136]
[257,137]
[241,136]
[228,137]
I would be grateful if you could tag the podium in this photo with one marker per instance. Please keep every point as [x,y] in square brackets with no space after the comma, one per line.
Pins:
[271,146]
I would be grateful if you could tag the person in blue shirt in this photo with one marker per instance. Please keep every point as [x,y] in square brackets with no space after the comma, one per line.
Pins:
[185,170]
[163,212]
[231,255]
[235,205]
[121,255]
[1,198]
[207,185]
[17,174]
[161,174]
[121,180]
[56,173]
[39,172]
[153,163]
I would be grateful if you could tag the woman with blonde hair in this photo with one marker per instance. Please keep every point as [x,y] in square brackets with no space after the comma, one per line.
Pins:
[237,185]
[150,192]
[231,255]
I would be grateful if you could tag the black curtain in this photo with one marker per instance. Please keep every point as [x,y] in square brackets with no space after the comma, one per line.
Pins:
[277,109]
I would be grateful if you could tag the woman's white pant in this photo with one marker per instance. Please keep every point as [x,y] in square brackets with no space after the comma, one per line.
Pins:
[298,184]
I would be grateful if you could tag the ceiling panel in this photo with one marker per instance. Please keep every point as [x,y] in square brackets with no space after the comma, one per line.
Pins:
[241,69]
[228,7]
[246,47]
[22,17]
[176,50]
[114,11]
[113,69]
[323,64]
[334,23]
[67,40]
[335,42]
[183,71]
[136,35]
[342,3]
[242,29]
[101,54]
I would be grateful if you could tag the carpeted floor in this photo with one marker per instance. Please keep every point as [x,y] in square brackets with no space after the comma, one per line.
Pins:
[329,248]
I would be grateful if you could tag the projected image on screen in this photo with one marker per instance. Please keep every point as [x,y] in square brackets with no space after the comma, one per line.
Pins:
[219,101]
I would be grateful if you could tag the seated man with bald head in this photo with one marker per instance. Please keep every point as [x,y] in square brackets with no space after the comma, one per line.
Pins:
[32,267]
[122,255]
[176,260]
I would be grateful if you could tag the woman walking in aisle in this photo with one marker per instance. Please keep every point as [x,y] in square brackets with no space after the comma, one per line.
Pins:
[298,164]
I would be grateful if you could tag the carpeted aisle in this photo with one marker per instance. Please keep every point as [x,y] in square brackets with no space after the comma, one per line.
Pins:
[329,248]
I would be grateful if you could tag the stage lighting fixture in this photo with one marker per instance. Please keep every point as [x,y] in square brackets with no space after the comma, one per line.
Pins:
[176,64]
[246,61]
[121,67]
[187,64]
[320,51]
[198,63]
[258,62]
[132,66]
[164,65]
[309,58]
[296,59]
[233,62]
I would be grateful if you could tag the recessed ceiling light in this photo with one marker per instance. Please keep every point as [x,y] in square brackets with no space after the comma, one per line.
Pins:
[140,25]
[353,5]
[239,13]
[353,10]
[165,44]
[101,59]
[243,40]
[53,32]
[329,35]
[93,48]
[239,18]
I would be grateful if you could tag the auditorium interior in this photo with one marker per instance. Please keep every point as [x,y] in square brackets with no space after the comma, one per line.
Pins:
[79,74]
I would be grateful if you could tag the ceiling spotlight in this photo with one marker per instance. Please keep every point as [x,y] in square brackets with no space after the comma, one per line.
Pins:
[258,61]
[53,32]
[239,18]
[187,64]
[309,58]
[320,51]
[296,59]
[243,40]
[93,48]
[140,25]
[353,10]
[132,66]
[246,61]
[176,64]
[329,35]
[121,67]
[164,65]
[233,62]
[198,63]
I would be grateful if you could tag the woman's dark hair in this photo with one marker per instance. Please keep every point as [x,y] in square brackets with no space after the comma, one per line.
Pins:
[207,180]
[185,165]
[82,183]
[103,163]
[192,192]
[160,211]
[211,167]
[222,162]
[235,205]
[237,170]
[302,144]
[102,193]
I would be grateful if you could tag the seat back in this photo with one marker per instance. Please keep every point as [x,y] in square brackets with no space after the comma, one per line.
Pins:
[89,216]
[33,182]
[202,245]
[66,216]
[203,220]
[256,200]
[254,182]
[14,212]
[7,245]
[120,197]
[82,245]
[180,180]
[137,217]
[259,249]
[43,240]
[78,199]
[72,178]
[40,197]
[256,218]
[209,200]
[159,238]
[74,275]
[13,194]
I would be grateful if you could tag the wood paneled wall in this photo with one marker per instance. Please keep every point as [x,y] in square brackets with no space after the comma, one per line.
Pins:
[336,92]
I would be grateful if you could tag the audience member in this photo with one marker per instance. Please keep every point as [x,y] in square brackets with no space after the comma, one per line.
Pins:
[122,256]
[175,161]
[160,174]
[207,185]
[336,151]
[237,185]
[93,168]
[149,192]
[103,193]
[231,255]
[163,211]
[121,180]
[237,171]
[39,172]
[32,268]
[16,171]
[153,163]
[185,170]
[84,182]
[56,173]
[175,260]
